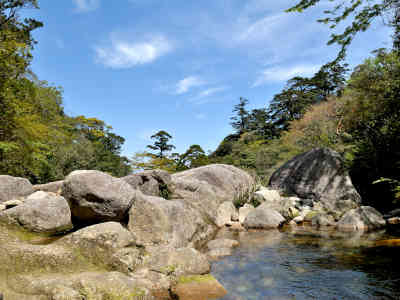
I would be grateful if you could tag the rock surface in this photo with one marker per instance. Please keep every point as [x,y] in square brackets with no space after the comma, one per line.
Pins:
[53,187]
[263,218]
[41,212]
[226,214]
[244,211]
[363,218]
[222,243]
[14,187]
[199,288]
[318,175]
[96,197]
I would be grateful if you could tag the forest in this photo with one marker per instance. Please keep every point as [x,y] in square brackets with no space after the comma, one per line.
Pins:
[355,112]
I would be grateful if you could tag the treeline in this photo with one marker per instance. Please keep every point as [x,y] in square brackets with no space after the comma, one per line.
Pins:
[358,117]
[38,140]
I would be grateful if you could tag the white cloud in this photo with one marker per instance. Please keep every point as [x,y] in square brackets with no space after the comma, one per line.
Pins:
[282,74]
[86,5]
[203,96]
[184,85]
[125,54]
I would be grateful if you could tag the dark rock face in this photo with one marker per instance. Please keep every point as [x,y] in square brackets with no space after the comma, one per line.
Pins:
[41,212]
[14,187]
[96,197]
[318,175]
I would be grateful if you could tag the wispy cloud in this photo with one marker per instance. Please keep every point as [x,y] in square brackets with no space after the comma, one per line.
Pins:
[204,96]
[282,74]
[122,54]
[86,5]
[184,85]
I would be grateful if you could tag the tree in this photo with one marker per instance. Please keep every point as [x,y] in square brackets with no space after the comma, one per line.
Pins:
[193,157]
[240,120]
[161,143]
[364,12]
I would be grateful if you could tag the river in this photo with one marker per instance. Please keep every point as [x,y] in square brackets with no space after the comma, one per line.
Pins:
[303,263]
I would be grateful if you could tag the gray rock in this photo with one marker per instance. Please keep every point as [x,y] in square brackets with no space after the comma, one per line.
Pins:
[267,194]
[41,212]
[318,175]
[226,214]
[244,211]
[363,218]
[206,188]
[153,182]
[322,220]
[96,197]
[14,187]
[263,218]
[53,187]
[156,221]
[217,253]
[12,203]
[222,243]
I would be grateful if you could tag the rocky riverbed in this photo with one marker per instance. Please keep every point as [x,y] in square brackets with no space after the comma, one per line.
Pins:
[154,235]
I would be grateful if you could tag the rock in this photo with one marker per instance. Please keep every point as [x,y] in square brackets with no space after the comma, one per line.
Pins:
[308,216]
[198,288]
[153,183]
[156,221]
[388,243]
[207,187]
[244,211]
[266,194]
[394,221]
[222,243]
[392,214]
[96,197]
[263,218]
[217,253]
[363,218]
[298,219]
[322,220]
[41,212]
[108,243]
[182,261]
[14,187]
[52,187]
[2,207]
[318,175]
[12,203]
[226,214]
[285,206]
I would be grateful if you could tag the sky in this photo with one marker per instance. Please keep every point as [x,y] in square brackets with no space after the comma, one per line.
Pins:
[180,66]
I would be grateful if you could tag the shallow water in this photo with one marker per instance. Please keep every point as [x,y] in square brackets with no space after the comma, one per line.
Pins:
[306,264]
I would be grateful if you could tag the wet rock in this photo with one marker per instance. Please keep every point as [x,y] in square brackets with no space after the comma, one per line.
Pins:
[52,187]
[215,254]
[153,183]
[318,175]
[323,220]
[41,212]
[363,218]
[226,214]
[198,288]
[14,187]
[244,211]
[263,218]
[156,221]
[96,197]
[222,243]
[394,221]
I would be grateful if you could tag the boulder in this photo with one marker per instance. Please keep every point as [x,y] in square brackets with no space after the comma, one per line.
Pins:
[156,221]
[41,212]
[266,194]
[263,218]
[322,220]
[217,253]
[198,288]
[153,182]
[244,211]
[226,214]
[207,187]
[222,243]
[319,175]
[14,188]
[285,206]
[53,187]
[364,218]
[96,197]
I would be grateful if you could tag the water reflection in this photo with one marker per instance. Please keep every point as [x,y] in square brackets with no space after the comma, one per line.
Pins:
[305,264]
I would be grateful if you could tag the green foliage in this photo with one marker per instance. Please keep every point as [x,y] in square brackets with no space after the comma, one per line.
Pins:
[161,143]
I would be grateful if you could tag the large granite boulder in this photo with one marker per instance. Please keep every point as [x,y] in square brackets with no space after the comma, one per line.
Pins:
[319,175]
[207,187]
[96,197]
[364,218]
[263,218]
[53,187]
[14,187]
[226,214]
[41,212]
[156,221]
[153,182]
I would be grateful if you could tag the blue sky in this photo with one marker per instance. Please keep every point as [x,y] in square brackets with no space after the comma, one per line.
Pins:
[180,66]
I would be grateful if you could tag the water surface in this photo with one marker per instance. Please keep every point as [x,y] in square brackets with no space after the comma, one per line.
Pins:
[307,264]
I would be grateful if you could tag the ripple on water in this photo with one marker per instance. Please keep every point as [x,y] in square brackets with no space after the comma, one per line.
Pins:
[309,265]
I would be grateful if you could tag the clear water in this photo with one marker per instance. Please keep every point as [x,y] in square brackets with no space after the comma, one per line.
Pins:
[306,264]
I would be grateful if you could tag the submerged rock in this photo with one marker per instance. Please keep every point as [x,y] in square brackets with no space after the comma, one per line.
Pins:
[96,197]
[14,187]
